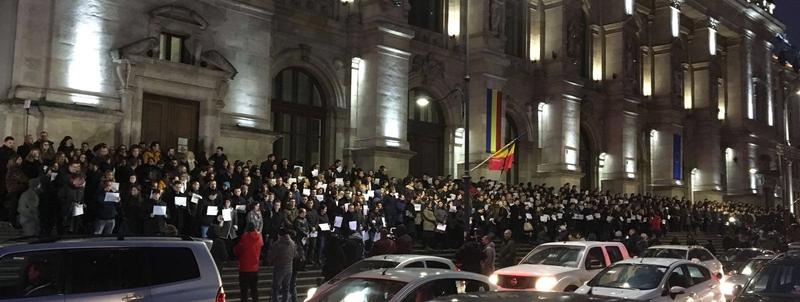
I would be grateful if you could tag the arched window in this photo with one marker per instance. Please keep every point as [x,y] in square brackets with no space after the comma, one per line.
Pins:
[298,114]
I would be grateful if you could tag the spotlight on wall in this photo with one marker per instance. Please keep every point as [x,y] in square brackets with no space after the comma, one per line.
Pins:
[423,101]
[753,170]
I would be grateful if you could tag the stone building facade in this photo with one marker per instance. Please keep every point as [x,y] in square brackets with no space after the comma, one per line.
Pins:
[677,97]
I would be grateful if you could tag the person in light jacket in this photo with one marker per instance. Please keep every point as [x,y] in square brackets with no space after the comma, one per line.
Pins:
[28,208]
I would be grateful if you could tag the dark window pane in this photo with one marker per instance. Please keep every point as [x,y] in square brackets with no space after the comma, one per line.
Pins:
[595,256]
[614,254]
[286,87]
[33,274]
[104,270]
[437,264]
[317,97]
[417,264]
[171,265]
[303,89]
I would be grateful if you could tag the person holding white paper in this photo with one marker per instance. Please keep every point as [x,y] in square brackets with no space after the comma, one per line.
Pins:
[155,225]
[228,228]
[106,211]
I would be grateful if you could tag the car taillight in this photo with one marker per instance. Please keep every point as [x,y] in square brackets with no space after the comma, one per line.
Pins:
[220,295]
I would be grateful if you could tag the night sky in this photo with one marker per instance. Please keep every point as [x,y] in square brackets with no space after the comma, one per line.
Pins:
[788,11]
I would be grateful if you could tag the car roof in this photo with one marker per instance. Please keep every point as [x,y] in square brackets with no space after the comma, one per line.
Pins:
[654,261]
[523,296]
[36,244]
[407,257]
[763,257]
[408,275]
[786,259]
[583,243]
[676,247]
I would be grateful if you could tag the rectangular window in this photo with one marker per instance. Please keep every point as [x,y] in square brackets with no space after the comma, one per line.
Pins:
[426,14]
[16,279]
[172,48]
[173,264]
[104,270]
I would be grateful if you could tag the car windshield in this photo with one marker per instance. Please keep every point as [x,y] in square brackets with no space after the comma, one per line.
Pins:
[739,255]
[363,290]
[778,280]
[555,255]
[753,266]
[664,253]
[630,276]
[363,266]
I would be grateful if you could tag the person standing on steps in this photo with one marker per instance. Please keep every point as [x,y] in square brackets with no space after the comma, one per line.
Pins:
[248,251]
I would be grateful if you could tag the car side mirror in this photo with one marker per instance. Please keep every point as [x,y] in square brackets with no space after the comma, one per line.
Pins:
[594,264]
[737,289]
[676,290]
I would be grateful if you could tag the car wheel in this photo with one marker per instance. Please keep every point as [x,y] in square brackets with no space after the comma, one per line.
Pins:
[571,288]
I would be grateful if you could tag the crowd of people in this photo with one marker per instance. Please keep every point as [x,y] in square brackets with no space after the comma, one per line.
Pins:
[334,212]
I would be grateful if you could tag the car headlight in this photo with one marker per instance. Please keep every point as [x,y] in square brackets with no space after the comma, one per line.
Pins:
[727,288]
[493,279]
[310,293]
[546,283]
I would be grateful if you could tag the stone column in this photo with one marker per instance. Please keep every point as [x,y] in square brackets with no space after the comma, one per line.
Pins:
[666,105]
[705,146]
[621,76]
[380,137]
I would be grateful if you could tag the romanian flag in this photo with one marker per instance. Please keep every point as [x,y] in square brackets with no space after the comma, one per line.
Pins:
[503,159]
[494,120]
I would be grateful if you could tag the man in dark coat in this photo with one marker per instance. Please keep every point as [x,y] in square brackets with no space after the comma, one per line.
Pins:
[508,255]
[470,256]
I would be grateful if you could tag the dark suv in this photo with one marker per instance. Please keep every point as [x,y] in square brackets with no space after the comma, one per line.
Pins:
[778,280]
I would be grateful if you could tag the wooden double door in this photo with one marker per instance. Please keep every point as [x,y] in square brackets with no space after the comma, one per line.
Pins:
[427,140]
[170,121]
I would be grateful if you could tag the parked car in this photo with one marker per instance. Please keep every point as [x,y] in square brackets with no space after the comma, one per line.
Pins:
[385,261]
[394,285]
[109,269]
[559,266]
[740,278]
[656,279]
[526,296]
[734,260]
[777,281]
[694,253]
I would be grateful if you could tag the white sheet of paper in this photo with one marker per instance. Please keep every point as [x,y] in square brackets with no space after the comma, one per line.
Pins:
[324,227]
[115,186]
[212,211]
[376,181]
[180,201]
[111,197]
[196,198]
[314,173]
[337,222]
[291,180]
[528,215]
[159,210]
[544,218]
[306,192]
[453,209]
[241,207]
[53,176]
[321,185]
[383,219]
[377,236]
[227,214]
[560,215]
[312,235]
[353,225]
[371,194]
[339,182]
[320,197]
[417,207]
[596,215]
[609,218]
[441,227]
[589,217]
[77,210]
[365,209]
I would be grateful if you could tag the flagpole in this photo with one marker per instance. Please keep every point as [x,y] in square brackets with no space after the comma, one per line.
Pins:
[465,103]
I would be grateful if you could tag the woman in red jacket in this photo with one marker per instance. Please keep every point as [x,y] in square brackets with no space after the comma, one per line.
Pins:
[248,250]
